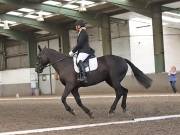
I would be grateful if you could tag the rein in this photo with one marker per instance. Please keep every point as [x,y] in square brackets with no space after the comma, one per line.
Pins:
[55,62]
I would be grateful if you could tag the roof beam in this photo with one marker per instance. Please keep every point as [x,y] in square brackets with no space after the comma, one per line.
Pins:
[90,18]
[173,10]
[22,36]
[33,23]
[161,2]
[132,5]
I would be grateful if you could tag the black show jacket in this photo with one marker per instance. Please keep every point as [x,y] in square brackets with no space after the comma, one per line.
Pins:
[83,43]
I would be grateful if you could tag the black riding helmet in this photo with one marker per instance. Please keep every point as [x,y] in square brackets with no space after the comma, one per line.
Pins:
[80,22]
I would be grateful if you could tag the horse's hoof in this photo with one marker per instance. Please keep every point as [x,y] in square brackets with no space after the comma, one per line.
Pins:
[130,115]
[91,117]
[72,112]
[124,110]
[90,114]
[111,113]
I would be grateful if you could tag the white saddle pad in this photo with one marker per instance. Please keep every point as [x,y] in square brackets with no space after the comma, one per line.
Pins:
[93,64]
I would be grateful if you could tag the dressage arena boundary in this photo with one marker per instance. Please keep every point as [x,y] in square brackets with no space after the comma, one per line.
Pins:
[91,97]
[137,120]
[91,125]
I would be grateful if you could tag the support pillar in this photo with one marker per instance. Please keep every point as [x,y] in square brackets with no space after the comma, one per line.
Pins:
[32,46]
[65,41]
[2,54]
[158,39]
[106,35]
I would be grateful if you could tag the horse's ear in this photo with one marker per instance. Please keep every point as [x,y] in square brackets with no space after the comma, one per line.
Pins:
[39,47]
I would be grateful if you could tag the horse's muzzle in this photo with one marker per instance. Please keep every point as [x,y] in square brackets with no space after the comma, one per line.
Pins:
[38,68]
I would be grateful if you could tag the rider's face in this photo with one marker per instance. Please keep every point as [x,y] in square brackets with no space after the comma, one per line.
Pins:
[77,28]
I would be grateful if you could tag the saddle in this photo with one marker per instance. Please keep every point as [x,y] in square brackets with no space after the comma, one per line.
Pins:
[90,63]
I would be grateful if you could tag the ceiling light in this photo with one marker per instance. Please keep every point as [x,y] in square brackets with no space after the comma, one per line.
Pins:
[82,7]
[44,13]
[70,6]
[40,18]
[28,10]
[1,25]
[14,13]
[54,3]
[6,26]
[86,2]
[31,16]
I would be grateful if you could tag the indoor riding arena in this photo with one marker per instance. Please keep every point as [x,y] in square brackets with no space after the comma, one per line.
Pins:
[39,96]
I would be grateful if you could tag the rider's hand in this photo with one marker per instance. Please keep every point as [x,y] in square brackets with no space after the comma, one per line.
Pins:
[71,53]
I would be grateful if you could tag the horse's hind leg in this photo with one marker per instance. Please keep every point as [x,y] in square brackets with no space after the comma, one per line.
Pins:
[67,91]
[118,96]
[123,104]
[118,91]
[76,95]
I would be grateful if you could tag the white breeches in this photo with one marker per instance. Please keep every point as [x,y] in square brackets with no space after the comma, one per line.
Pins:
[82,57]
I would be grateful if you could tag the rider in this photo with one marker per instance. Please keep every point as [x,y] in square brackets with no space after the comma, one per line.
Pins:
[82,48]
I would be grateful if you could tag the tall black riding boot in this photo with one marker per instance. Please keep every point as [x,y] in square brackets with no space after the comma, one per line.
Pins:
[82,76]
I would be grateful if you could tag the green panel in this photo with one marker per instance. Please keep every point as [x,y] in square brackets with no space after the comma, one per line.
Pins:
[173,10]
[161,2]
[14,34]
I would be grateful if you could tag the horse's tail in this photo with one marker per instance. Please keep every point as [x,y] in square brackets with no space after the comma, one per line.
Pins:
[140,76]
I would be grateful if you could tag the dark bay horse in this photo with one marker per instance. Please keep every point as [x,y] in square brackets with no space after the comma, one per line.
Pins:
[111,69]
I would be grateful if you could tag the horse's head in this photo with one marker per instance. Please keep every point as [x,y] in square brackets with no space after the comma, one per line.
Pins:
[42,60]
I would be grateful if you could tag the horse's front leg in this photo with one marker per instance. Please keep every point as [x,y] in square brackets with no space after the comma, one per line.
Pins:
[76,95]
[67,91]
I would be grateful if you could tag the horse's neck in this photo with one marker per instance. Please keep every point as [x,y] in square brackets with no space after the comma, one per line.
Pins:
[55,58]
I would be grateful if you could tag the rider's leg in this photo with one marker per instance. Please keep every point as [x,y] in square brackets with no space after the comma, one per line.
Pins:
[80,59]
[82,71]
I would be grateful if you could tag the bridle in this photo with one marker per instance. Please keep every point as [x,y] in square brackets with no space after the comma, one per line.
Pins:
[39,66]
[50,64]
